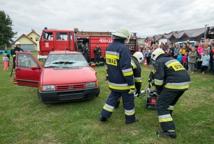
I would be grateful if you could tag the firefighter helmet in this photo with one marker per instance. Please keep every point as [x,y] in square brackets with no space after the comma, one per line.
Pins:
[156,53]
[122,33]
[139,56]
[17,43]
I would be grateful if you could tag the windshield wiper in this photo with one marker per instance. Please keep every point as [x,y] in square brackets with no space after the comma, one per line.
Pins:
[51,66]
[63,62]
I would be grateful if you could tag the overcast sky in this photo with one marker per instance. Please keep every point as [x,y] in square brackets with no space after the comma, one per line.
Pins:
[146,17]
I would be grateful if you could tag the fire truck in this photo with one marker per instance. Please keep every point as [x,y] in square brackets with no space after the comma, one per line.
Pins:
[74,40]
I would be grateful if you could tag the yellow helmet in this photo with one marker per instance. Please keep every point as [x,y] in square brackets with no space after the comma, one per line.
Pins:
[156,53]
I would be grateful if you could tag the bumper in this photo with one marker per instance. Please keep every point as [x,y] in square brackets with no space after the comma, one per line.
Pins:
[63,96]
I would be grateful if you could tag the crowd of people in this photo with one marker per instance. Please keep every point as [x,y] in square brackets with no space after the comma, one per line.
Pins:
[194,57]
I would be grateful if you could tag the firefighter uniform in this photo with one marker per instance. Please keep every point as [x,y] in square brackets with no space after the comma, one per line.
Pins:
[136,67]
[120,80]
[14,51]
[171,80]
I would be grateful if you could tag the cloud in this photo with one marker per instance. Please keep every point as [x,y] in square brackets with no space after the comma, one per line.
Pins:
[145,17]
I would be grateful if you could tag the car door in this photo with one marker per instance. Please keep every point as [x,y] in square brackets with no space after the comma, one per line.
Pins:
[27,71]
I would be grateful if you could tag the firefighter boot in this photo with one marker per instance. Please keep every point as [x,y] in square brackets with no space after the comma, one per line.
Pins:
[103,119]
[169,133]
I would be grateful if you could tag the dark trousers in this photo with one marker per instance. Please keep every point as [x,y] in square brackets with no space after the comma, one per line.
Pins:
[128,104]
[166,102]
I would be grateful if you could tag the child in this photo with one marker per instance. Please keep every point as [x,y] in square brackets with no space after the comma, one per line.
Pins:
[184,61]
[5,60]
[179,58]
[205,61]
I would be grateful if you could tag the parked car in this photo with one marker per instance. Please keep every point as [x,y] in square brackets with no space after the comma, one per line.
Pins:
[65,76]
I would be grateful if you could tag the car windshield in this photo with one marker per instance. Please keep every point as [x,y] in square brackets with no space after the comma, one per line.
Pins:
[65,61]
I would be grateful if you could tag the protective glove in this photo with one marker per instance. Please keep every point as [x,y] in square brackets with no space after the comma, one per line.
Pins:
[131,91]
[137,93]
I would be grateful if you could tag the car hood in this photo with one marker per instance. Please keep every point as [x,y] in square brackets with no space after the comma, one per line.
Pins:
[67,76]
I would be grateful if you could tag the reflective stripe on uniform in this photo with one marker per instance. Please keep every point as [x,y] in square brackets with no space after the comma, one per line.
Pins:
[127,72]
[170,62]
[176,65]
[129,112]
[165,118]
[182,85]
[158,82]
[138,79]
[120,86]
[133,64]
[171,108]
[108,108]
[112,55]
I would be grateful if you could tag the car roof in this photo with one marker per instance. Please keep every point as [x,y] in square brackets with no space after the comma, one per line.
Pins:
[64,52]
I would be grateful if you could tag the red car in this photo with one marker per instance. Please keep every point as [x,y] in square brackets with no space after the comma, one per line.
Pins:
[65,76]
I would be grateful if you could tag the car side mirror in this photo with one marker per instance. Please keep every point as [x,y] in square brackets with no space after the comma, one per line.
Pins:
[93,65]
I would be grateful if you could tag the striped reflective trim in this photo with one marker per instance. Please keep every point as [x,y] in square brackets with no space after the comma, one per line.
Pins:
[168,63]
[129,112]
[112,55]
[108,108]
[182,85]
[165,118]
[171,108]
[158,82]
[138,79]
[127,72]
[133,64]
[132,87]
[120,86]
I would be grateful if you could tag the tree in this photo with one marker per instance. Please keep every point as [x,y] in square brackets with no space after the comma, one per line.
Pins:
[6,31]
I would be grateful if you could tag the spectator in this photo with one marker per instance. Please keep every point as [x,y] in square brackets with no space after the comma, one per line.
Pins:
[5,60]
[205,61]
[184,61]
[212,58]
[192,60]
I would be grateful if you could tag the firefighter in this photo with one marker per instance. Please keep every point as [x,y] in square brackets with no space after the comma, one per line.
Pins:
[120,77]
[16,49]
[136,61]
[97,54]
[171,80]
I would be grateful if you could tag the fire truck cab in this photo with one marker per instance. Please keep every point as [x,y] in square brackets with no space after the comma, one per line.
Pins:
[52,40]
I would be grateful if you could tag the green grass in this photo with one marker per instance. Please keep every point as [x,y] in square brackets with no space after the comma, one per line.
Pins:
[24,119]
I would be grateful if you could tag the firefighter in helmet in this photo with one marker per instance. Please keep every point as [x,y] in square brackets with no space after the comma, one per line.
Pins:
[16,49]
[120,77]
[171,80]
[136,61]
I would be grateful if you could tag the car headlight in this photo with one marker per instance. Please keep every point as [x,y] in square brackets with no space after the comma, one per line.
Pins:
[48,88]
[91,85]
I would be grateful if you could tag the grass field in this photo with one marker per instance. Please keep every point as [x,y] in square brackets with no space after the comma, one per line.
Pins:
[24,119]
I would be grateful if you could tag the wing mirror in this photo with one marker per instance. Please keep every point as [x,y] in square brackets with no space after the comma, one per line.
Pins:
[93,65]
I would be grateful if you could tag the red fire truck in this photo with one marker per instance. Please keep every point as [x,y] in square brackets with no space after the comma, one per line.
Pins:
[59,40]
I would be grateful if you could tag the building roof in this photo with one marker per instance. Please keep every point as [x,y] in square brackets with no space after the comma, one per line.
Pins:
[33,31]
[24,36]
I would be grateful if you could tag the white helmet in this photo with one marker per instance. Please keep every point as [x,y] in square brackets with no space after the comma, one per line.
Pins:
[17,43]
[156,53]
[122,33]
[139,56]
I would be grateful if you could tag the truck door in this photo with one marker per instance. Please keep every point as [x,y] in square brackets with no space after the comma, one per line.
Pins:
[46,42]
[27,71]
[62,41]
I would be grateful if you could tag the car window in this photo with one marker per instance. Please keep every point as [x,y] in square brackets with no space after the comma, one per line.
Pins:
[26,61]
[66,60]
[61,36]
